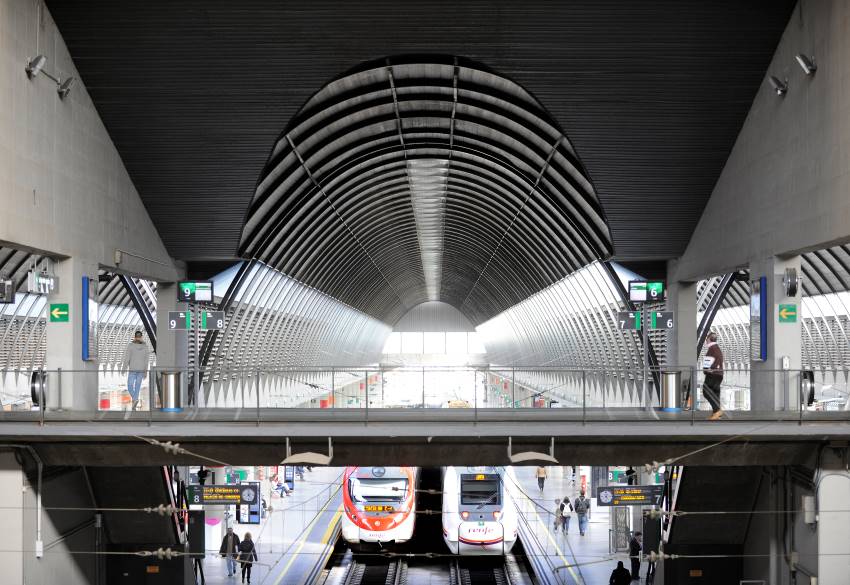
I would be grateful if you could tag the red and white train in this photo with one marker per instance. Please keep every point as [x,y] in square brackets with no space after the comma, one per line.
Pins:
[479,514]
[379,504]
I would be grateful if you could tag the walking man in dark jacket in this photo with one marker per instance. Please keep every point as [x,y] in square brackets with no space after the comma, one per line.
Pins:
[230,550]
[620,575]
[712,367]
[635,546]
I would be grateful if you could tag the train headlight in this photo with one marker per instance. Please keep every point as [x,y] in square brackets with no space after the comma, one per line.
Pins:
[464,514]
[497,514]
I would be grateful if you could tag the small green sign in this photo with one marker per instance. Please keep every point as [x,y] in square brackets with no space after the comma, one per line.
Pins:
[59,312]
[787,313]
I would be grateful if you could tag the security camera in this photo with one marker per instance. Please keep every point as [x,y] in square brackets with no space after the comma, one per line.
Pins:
[807,64]
[65,87]
[779,86]
[35,65]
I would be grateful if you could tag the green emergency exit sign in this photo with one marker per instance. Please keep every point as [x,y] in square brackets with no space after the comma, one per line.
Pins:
[59,312]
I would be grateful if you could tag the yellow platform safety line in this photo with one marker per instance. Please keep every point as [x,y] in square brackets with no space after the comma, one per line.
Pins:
[325,536]
[545,526]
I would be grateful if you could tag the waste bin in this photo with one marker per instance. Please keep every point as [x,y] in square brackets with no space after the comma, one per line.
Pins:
[38,387]
[169,384]
[671,382]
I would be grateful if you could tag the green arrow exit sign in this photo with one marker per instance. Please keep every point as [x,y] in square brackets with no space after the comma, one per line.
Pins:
[787,313]
[58,312]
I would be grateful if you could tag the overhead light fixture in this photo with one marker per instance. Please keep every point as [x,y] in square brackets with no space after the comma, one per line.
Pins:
[779,86]
[35,65]
[807,64]
[65,87]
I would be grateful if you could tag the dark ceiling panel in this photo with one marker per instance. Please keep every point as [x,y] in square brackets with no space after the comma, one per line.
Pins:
[651,94]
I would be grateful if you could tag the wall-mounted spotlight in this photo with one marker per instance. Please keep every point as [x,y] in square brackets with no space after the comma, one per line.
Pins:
[65,87]
[779,86]
[807,64]
[35,65]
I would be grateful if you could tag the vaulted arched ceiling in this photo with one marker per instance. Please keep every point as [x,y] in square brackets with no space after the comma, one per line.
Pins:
[417,179]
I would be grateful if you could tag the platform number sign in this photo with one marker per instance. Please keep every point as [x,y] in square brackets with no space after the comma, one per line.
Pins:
[662,320]
[629,320]
[642,291]
[179,320]
[212,320]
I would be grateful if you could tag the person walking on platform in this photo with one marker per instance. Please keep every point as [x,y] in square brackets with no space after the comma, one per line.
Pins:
[566,509]
[247,555]
[230,550]
[712,367]
[557,522]
[582,509]
[541,477]
[136,362]
[635,546]
[620,575]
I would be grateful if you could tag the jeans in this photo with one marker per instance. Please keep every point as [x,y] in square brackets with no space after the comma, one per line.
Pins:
[582,523]
[711,390]
[565,524]
[540,482]
[231,565]
[134,384]
[246,567]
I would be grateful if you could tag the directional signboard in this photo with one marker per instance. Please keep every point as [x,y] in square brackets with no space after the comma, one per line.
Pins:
[179,320]
[631,495]
[58,312]
[629,320]
[246,493]
[212,320]
[787,313]
[661,320]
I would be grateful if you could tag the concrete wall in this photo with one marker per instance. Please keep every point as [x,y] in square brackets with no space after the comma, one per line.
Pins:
[63,533]
[786,184]
[63,186]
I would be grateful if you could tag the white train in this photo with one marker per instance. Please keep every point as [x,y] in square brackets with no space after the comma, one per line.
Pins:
[379,504]
[479,514]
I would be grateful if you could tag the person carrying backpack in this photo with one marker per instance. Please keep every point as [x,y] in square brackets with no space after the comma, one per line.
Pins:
[582,509]
[247,555]
[566,510]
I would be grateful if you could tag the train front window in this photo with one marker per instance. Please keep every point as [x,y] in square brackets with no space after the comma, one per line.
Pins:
[480,492]
[391,489]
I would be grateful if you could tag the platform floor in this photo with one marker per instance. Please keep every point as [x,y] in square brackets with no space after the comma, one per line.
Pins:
[588,552]
[292,538]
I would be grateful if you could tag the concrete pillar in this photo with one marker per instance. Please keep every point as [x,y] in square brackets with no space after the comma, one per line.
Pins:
[12,520]
[172,347]
[682,300]
[772,389]
[833,530]
[77,386]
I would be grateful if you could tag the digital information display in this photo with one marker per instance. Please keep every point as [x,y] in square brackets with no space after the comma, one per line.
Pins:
[642,291]
[632,495]
[195,291]
[238,494]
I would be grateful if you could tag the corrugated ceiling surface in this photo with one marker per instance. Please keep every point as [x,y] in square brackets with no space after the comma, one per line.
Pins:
[194,93]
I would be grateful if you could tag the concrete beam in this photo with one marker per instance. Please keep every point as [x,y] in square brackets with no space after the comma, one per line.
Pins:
[65,190]
[784,187]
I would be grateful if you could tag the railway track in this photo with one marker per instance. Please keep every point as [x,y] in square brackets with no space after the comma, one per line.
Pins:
[376,573]
[477,572]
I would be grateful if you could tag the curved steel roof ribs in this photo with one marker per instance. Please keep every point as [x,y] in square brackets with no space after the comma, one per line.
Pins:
[409,180]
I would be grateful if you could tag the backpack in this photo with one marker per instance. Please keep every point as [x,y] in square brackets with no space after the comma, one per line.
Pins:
[581,506]
[566,508]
